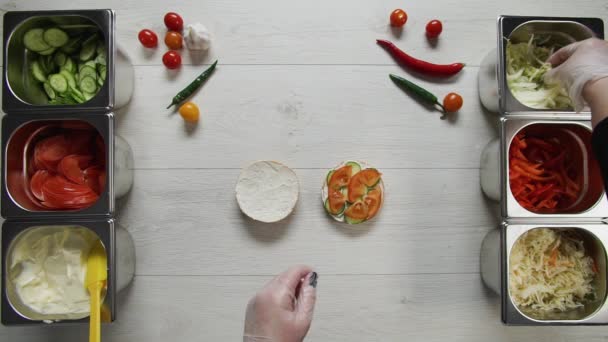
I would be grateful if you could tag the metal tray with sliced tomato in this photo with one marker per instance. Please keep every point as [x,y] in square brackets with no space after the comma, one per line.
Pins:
[353,192]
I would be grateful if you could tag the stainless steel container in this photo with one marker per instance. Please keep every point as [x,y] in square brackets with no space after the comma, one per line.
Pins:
[121,267]
[586,215]
[494,172]
[29,117]
[495,253]
[22,93]
[555,31]
[18,136]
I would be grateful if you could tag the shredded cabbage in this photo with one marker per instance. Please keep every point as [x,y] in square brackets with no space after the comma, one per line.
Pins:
[526,69]
[549,271]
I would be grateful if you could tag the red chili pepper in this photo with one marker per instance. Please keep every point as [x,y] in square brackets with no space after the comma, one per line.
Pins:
[420,65]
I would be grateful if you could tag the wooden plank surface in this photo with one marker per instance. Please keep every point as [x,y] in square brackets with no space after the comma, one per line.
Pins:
[304,83]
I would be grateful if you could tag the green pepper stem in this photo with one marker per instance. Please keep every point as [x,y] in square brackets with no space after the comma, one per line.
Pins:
[442,107]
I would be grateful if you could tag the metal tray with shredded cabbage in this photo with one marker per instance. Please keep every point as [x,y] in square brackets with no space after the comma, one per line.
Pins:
[526,69]
[550,271]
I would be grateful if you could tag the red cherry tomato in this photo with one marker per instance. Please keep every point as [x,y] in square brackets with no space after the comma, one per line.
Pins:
[434,28]
[172,59]
[452,102]
[173,40]
[148,38]
[174,22]
[398,18]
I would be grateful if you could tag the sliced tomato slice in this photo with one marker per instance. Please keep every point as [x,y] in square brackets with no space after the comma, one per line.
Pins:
[357,211]
[72,167]
[49,152]
[36,182]
[369,177]
[340,177]
[60,193]
[336,202]
[373,199]
[95,178]
[356,188]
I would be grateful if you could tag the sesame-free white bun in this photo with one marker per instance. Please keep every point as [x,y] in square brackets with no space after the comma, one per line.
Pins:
[267,191]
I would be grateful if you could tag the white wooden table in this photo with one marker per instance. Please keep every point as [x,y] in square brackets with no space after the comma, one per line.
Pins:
[303,82]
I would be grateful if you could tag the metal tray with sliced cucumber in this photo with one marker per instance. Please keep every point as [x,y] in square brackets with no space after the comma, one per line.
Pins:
[71,62]
[353,192]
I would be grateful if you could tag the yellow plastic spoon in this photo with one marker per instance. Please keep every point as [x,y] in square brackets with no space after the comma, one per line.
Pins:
[95,281]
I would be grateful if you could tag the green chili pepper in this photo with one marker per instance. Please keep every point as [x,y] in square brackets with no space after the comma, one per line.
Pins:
[192,87]
[416,90]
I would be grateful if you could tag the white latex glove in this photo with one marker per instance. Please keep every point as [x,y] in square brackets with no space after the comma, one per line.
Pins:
[577,64]
[282,311]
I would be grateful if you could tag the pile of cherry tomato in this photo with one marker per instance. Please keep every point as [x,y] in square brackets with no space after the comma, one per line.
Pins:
[433,28]
[173,39]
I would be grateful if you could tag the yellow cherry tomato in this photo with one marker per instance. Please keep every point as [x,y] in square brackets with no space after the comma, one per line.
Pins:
[189,112]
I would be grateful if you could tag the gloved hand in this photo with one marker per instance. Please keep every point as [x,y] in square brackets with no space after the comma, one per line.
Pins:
[282,310]
[578,64]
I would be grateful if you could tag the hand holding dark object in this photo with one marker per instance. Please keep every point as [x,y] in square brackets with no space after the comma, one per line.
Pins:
[283,309]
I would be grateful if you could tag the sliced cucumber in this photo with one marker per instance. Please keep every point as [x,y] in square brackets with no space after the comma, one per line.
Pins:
[60,58]
[42,64]
[63,100]
[87,52]
[77,94]
[92,64]
[69,77]
[69,66]
[47,51]
[101,49]
[88,71]
[49,90]
[328,177]
[352,220]
[55,37]
[87,84]
[329,209]
[102,72]
[58,82]
[49,62]
[100,82]
[34,41]
[100,59]
[355,167]
[37,72]
[88,96]
[72,45]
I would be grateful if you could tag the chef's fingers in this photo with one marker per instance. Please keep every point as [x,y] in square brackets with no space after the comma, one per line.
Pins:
[562,55]
[306,301]
[292,277]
